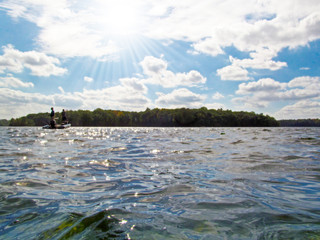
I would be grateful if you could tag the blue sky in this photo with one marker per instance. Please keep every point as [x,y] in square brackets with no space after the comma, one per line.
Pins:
[253,55]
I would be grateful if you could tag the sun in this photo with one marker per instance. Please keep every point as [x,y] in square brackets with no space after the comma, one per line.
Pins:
[119,18]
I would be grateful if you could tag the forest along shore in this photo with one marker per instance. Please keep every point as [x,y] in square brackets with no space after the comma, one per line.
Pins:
[181,117]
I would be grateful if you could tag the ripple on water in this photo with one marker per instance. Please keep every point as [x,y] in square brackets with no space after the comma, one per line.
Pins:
[10,204]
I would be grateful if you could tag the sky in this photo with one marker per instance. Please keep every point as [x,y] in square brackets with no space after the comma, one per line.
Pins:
[242,55]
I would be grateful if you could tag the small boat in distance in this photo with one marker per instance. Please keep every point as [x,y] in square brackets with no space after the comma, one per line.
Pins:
[57,126]
[53,125]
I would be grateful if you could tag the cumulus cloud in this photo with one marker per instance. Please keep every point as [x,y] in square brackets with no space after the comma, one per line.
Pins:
[263,92]
[12,82]
[11,97]
[299,110]
[67,100]
[153,66]
[263,85]
[129,95]
[208,46]
[233,73]
[217,96]
[135,84]
[75,41]
[117,97]
[16,103]
[8,111]
[305,82]
[156,71]
[180,98]
[260,59]
[246,25]
[88,79]
[262,28]
[39,63]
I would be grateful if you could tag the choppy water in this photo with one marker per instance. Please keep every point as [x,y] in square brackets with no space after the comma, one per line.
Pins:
[160,183]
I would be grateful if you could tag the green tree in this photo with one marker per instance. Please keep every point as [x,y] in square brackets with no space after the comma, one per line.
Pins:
[185,117]
[4,122]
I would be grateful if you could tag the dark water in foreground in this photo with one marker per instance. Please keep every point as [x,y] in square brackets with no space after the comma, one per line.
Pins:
[160,183]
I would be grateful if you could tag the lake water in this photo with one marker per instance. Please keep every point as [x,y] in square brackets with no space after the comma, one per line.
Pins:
[160,183]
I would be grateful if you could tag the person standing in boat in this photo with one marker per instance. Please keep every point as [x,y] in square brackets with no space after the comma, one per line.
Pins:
[52,114]
[64,117]
[52,122]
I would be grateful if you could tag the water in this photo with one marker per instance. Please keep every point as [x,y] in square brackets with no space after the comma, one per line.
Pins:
[160,183]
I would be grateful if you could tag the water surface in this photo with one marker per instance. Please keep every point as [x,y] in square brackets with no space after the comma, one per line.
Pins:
[160,183]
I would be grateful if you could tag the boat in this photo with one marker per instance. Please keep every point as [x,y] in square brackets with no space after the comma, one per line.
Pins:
[57,126]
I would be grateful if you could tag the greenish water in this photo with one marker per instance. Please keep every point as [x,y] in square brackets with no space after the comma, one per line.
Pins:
[160,183]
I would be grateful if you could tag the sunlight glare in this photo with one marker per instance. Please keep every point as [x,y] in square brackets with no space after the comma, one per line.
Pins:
[120,17]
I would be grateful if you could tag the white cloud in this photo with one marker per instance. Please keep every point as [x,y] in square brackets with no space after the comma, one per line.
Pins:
[217,96]
[8,111]
[262,28]
[68,100]
[306,82]
[156,70]
[180,98]
[249,102]
[61,89]
[263,85]
[11,82]
[16,103]
[305,68]
[88,79]
[14,10]
[227,23]
[300,110]
[11,97]
[208,46]
[261,93]
[134,84]
[153,66]
[118,97]
[39,63]
[260,59]
[233,73]
[127,96]
[71,39]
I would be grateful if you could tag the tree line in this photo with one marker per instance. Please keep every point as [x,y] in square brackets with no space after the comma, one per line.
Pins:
[300,123]
[181,117]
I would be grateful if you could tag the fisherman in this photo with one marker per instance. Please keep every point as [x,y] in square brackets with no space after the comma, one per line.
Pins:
[64,116]
[52,114]
[53,121]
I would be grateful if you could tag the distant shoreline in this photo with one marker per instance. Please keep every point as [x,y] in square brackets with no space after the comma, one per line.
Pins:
[180,117]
